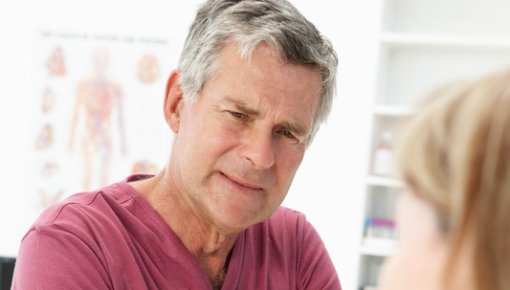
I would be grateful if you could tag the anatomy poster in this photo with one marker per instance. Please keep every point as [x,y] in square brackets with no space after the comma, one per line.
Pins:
[97,111]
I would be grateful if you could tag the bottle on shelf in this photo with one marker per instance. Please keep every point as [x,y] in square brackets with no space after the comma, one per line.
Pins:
[382,161]
[380,228]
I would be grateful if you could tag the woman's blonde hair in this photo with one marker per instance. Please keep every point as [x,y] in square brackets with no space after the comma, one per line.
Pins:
[454,152]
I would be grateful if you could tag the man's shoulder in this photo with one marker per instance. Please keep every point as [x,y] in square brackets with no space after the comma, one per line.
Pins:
[284,221]
[286,214]
[83,205]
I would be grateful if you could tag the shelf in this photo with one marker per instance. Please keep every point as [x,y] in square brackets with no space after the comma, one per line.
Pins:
[373,180]
[410,39]
[378,247]
[416,57]
[392,110]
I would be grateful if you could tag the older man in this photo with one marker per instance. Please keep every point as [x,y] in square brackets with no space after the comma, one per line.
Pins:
[254,82]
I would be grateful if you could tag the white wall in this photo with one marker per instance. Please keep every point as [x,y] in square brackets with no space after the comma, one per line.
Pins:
[329,185]
[14,91]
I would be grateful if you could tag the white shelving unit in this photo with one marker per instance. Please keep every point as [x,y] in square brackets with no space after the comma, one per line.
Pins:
[385,249]
[409,39]
[391,110]
[422,46]
[385,181]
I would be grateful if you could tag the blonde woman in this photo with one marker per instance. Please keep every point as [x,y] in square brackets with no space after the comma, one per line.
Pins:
[454,155]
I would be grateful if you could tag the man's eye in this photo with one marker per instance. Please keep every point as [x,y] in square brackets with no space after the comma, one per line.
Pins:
[238,115]
[287,134]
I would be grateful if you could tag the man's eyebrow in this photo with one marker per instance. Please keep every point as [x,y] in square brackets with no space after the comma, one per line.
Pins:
[245,108]
[241,106]
[293,127]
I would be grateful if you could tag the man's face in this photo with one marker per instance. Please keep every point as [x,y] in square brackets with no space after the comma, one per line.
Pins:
[239,145]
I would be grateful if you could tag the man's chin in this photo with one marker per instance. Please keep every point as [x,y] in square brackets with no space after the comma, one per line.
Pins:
[238,220]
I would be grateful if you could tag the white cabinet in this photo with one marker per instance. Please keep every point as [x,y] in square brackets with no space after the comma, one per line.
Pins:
[422,45]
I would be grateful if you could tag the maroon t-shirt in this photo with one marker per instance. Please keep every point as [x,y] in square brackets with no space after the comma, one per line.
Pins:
[113,239]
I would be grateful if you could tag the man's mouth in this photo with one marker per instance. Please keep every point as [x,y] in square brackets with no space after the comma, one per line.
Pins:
[243,183]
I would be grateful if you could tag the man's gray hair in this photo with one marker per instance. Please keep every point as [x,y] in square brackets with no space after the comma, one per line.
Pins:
[250,23]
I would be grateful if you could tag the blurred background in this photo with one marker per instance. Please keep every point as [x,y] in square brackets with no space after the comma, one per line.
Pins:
[82,85]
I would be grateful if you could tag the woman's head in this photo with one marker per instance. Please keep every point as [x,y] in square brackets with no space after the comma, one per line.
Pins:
[454,155]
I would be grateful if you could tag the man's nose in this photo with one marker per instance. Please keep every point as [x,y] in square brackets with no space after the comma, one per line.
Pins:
[258,148]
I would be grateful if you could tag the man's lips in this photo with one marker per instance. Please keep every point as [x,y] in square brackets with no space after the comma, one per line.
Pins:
[242,183]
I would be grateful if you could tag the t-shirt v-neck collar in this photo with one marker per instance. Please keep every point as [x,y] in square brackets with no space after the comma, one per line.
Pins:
[152,216]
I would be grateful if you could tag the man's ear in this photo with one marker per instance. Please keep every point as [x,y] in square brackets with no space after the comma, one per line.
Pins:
[173,101]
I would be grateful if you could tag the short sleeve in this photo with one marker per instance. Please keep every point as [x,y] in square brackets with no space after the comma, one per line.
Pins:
[316,270]
[53,258]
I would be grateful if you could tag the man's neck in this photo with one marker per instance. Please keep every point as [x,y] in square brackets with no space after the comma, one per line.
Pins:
[210,246]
